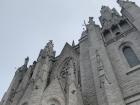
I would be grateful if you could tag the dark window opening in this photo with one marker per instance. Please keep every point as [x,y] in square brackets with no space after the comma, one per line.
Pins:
[123,22]
[124,25]
[106,32]
[114,27]
[130,56]
[107,35]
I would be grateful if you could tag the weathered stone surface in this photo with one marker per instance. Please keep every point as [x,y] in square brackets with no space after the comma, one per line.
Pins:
[96,71]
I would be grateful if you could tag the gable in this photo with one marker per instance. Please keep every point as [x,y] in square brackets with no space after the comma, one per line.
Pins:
[67,51]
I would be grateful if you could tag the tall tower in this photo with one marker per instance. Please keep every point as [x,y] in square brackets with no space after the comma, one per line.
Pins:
[121,38]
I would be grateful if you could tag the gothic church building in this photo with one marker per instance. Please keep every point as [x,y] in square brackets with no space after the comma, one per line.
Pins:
[102,69]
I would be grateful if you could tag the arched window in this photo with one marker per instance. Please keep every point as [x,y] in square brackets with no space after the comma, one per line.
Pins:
[130,56]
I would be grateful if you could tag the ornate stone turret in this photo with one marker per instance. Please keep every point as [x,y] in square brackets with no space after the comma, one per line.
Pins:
[47,51]
[109,17]
[49,48]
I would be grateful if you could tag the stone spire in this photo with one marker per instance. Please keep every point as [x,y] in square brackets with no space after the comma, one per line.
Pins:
[47,51]
[49,47]
[73,43]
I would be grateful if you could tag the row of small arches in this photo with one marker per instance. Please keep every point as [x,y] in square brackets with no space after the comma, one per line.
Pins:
[116,30]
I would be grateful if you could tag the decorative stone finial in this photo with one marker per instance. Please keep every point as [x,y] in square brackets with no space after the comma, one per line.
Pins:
[26,61]
[49,48]
[73,43]
[50,44]
[91,20]
[125,3]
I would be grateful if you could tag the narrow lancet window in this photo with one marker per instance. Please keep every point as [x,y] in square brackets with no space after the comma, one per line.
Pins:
[130,56]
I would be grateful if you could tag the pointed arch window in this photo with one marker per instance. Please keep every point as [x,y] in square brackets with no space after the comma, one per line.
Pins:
[130,56]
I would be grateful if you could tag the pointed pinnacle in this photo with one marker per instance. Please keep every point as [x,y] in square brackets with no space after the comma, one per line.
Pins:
[73,43]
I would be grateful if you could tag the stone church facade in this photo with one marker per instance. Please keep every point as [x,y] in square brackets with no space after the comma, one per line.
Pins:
[102,69]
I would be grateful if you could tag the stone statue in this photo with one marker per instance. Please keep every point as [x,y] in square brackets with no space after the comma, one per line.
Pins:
[50,44]
[99,61]
[49,48]
[91,20]
[100,67]
[26,61]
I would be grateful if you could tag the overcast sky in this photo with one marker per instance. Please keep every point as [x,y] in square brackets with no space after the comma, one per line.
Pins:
[27,25]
